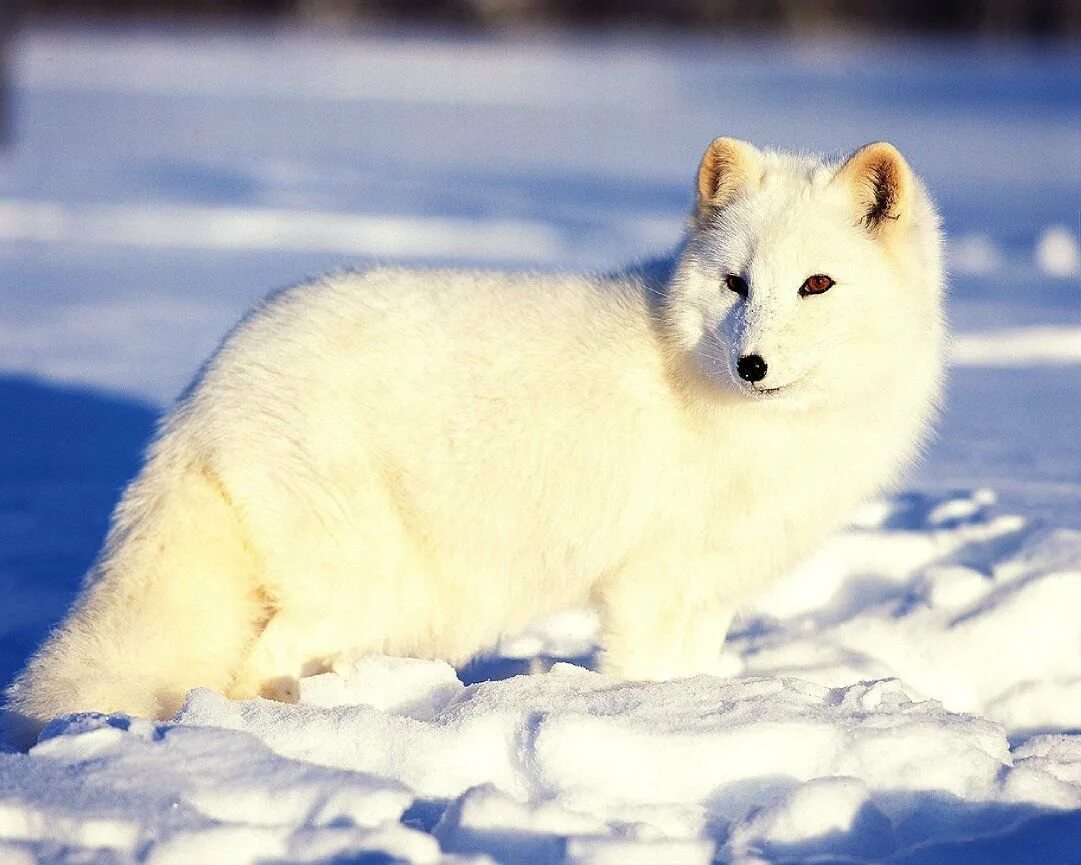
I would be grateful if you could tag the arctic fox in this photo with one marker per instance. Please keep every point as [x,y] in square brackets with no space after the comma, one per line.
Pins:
[416,462]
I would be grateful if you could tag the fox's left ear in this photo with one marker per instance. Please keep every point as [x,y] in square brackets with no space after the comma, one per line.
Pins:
[880,182]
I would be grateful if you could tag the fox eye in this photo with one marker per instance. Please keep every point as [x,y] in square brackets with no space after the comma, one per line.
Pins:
[737,284]
[817,284]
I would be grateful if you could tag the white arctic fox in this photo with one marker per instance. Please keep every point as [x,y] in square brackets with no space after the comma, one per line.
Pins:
[415,462]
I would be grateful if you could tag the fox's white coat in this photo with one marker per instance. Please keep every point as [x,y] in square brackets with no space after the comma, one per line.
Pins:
[415,462]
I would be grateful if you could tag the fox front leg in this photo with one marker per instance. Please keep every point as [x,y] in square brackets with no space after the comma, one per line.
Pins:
[654,630]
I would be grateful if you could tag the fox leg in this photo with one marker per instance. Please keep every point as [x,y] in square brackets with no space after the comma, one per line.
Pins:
[653,630]
[296,642]
[172,605]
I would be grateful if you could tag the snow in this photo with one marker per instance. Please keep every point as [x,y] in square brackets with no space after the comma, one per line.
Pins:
[1023,346]
[951,609]
[1058,252]
[911,694]
[274,229]
[562,766]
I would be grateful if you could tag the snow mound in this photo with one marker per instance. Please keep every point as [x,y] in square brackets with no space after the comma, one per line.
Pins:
[163,793]
[603,746]
[1058,252]
[972,608]
[564,767]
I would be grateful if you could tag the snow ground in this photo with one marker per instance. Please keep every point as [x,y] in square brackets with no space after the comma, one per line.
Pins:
[912,694]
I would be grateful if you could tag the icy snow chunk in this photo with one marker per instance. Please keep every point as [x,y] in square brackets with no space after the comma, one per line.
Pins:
[952,587]
[956,510]
[825,816]
[615,851]
[245,845]
[438,759]
[1032,784]
[301,802]
[12,855]
[1043,553]
[1050,704]
[684,752]
[21,822]
[487,820]
[1059,754]
[131,785]
[883,695]
[395,841]
[79,744]
[90,733]
[401,686]
[1058,252]
[1046,771]
[249,845]
[604,746]
[566,634]
[813,659]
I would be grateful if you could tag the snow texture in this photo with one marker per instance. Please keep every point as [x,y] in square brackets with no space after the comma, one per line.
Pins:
[912,694]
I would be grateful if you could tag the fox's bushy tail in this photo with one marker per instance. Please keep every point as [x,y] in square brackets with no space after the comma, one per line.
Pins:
[172,603]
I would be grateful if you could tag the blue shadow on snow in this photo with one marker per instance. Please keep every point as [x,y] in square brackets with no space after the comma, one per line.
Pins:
[66,454]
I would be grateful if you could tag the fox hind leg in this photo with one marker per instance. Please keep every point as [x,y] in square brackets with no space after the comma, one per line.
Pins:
[172,604]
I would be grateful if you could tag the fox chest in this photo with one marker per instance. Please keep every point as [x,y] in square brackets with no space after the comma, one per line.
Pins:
[778,491]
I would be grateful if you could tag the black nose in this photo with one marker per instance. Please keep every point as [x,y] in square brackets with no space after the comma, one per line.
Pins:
[751,367]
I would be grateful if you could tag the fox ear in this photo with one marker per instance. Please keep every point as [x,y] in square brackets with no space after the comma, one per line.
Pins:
[880,183]
[728,166]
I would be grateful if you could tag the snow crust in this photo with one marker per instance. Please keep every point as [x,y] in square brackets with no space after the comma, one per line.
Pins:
[972,608]
[565,766]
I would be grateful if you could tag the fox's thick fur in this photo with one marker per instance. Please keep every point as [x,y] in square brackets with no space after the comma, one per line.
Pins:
[416,462]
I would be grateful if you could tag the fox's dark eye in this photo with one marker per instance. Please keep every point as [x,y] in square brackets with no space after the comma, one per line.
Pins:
[817,284]
[737,284]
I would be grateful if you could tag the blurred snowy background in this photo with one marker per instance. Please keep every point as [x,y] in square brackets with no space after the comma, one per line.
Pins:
[160,179]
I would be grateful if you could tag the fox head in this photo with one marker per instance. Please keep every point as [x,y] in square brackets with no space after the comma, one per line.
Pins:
[805,282]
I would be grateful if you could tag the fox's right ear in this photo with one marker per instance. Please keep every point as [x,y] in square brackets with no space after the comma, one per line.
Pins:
[728,166]
[880,183]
